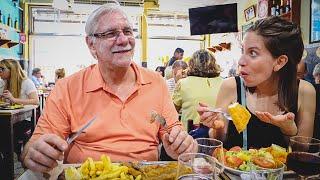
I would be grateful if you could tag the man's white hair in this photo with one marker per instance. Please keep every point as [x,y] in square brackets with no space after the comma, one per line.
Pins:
[93,19]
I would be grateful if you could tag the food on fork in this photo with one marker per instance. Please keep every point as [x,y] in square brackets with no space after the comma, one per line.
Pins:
[240,116]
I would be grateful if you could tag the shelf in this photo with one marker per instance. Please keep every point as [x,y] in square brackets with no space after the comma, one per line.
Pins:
[4,26]
[9,44]
[4,41]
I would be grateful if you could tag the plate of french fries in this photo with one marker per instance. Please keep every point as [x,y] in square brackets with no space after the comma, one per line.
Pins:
[105,169]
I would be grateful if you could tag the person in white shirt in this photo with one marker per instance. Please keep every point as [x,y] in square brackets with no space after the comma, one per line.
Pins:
[17,88]
[178,68]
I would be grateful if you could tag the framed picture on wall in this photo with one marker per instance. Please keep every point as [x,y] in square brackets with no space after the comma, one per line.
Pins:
[250,13]
[315,21]
[245,27]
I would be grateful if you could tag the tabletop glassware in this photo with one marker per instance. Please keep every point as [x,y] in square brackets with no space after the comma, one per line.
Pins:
[304,157]
[196,166]
[214,148]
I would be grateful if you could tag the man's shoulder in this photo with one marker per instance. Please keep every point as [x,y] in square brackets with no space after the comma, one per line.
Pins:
[148,74]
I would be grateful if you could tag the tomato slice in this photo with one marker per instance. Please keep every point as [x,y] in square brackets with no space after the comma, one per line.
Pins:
[263,162]
[233,161]
[235,149]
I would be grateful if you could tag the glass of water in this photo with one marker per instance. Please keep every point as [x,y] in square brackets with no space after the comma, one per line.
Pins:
[196,166]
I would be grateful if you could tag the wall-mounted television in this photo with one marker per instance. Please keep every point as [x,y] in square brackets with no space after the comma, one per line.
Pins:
[213,19]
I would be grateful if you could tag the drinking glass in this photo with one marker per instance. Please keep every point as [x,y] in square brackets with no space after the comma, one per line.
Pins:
[195,166]
[304,157]
[214,148]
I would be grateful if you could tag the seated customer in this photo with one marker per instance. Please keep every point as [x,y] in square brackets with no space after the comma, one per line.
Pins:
[119,93]
[178,72]
[201,85]
[59,74]
[280,105]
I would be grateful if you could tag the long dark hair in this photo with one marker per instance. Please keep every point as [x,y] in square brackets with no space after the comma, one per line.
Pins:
[283,38]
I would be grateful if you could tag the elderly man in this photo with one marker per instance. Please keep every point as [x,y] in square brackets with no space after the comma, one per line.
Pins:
[116,91]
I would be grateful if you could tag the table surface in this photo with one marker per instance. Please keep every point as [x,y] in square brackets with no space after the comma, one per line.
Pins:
[55,173]
[15,111]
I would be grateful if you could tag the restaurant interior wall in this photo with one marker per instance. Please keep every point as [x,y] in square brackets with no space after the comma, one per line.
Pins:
[69,30]
[9,7]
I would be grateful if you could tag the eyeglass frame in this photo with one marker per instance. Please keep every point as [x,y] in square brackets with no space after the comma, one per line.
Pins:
[114,34]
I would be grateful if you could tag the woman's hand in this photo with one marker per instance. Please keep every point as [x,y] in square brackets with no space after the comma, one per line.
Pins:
[285,121]
[209,118]
[7,94]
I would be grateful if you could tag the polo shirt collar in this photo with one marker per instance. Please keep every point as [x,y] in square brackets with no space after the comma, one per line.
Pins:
[95,80]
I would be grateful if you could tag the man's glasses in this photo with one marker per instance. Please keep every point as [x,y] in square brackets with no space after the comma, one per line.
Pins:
[113,35]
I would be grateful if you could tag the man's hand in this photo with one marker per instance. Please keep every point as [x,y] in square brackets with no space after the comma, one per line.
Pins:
[42,154]
[178,142]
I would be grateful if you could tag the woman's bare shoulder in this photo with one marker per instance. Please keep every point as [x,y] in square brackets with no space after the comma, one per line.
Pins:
[306,88]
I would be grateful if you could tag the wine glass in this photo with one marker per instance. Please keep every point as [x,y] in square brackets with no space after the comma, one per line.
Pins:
[195,166]
[214,148]
[304,157]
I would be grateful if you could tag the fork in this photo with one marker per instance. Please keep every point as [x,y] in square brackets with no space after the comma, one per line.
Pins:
[75,135]
[226,115]
[157,117]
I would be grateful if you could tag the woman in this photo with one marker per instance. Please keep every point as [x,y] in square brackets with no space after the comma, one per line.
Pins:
[18,88]
[60,73]
[280,105]
[201,85]
[21,90]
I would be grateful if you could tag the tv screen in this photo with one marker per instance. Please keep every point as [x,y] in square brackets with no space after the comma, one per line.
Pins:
[213,19]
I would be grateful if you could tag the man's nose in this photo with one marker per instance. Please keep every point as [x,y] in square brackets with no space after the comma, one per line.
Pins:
[122,39]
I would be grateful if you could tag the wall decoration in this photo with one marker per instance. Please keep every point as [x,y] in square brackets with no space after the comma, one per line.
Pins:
[315,21]
[250,13]
[262,8]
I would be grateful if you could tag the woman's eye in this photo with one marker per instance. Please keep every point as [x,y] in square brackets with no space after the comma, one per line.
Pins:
[253,53]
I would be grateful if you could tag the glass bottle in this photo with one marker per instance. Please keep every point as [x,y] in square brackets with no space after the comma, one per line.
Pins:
[288,7]
[9,23]
[15,24]
[0,17]
[273,9]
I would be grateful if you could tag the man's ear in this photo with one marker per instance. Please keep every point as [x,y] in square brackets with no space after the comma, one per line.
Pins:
[280,62]
[90,44]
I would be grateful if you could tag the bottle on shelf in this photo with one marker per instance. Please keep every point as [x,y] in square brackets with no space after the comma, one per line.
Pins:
[9,22]
[273,8]
[278,10]
[282,7]
[288,7]
[15,24]
[1,17]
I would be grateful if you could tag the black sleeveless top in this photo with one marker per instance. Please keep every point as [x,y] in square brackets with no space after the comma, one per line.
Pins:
[260,134]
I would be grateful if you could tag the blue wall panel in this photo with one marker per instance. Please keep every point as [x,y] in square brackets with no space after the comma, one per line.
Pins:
[11,7]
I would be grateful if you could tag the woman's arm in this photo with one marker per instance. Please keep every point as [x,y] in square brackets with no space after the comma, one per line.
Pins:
[306,108]
[227,94]
[32,99]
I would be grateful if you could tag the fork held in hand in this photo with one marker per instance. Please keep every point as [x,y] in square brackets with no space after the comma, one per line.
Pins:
[75,135]
[226,115]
